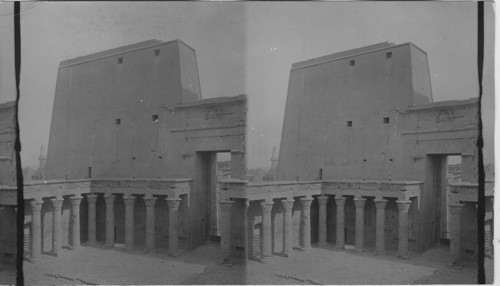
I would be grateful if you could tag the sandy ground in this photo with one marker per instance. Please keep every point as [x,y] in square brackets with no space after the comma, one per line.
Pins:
[99,265]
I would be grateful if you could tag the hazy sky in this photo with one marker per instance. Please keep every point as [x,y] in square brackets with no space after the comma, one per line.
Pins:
[241,48]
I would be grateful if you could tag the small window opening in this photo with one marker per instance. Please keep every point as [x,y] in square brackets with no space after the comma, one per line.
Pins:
[133,158]
[89,172]
[388,55]
[320,174]
[386,120]
[364,160]
[157,52]
[352,63]
[349,123]
[160,157]
[120,61]
[118,121]
[154,118]
[390,160]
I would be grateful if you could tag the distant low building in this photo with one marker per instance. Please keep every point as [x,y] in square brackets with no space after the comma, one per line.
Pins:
[271,174]
[39,174]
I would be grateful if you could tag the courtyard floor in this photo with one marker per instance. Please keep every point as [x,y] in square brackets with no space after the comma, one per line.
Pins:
[99,265]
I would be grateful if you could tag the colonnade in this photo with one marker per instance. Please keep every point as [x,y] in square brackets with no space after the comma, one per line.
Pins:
[305,239]
[129,200]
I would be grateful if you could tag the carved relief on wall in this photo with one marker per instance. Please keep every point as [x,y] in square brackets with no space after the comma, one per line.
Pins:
[444,116]
[213,112]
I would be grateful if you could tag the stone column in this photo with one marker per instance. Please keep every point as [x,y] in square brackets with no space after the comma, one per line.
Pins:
[129,221]
[56,224]
[110,220]
[359,238]
[380,230]
[455,241]
[306,219]
[267,207]
[36,223]
[91,200]
[173,225]
[246,204]
[322,201]
[340,235]
[225,227]
[150,223]
[403,207]
[75,215]
[287,226]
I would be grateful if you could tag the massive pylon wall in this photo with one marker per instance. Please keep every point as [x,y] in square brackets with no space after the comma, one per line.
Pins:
[341,112]
[112,111]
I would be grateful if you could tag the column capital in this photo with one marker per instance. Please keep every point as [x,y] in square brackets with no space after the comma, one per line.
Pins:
[266,206]
[456,208]
[287,204]
[340,201]
[322,200]
[109,199]
[91,198]
[306,202]
[150,202]
[36,206]
[56,204]
[173,202]
[75,201]
[129,200]
[380,204]
[403,205]
[359,202]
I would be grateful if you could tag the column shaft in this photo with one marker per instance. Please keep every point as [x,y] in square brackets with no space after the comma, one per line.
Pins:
[75,216]
[455,241]
[340,230]
[322,201]
[359,238]
[36,234]
[380,228]
[56,224]
[129,221]
[150,223]
[225,227]
[403,207]
[173,225]
[306,223]
[91,225]
[110,220]
[287,226]
[266,228]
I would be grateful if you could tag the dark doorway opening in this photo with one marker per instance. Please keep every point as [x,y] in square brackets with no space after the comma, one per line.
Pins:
[444,168]
[213,166]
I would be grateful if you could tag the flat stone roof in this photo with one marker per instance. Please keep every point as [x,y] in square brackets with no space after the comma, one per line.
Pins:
[351,53]
[118,51]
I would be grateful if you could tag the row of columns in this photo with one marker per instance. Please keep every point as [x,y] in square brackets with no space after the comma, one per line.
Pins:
[359,203]
[287,204]
[380,204]
[150,202]
[36,225]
